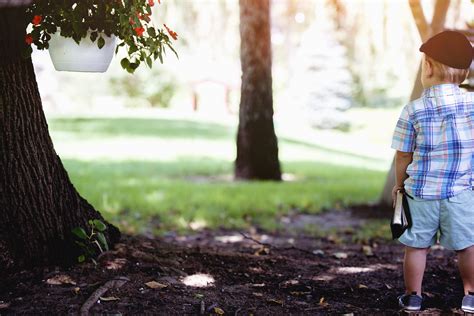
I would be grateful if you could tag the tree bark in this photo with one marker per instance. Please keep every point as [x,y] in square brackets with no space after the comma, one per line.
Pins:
[38,204]
[426,31]
[257,146]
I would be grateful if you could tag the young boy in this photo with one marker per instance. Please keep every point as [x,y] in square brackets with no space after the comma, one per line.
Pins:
[434,139]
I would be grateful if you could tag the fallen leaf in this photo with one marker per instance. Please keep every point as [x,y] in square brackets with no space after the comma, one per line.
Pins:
[318,252]
[4,305]
[322,301]
[218,311]
[60,279]
[76,290]
[155,285]
[362,286]
[256,270]
[257,294]
[290,283]
[388,286]
[115,264]
[109,299]
[274,301]
[340,255]
[262,251]
[367,250]
[258,285]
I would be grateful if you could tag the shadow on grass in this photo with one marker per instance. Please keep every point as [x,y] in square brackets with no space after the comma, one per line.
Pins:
[163,128]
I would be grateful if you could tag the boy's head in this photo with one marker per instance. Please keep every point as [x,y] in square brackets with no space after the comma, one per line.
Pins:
[448,56]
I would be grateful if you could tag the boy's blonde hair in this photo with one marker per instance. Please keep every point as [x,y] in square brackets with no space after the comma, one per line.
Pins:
[446,73]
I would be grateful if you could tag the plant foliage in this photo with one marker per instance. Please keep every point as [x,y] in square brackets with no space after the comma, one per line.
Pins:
[128,20]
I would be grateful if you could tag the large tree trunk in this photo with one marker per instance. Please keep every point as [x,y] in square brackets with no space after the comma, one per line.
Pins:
[426,31]
[257,147]
[38,204]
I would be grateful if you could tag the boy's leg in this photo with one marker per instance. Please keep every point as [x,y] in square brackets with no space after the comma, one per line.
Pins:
[413,268]
[466,268]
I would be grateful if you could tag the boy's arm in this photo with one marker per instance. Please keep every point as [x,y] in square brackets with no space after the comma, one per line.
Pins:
[402,160]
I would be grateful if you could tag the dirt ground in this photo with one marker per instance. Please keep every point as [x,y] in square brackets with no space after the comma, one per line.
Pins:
[234,273]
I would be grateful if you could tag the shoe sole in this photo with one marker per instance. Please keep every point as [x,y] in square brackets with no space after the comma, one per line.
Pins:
[467,309]
[411,308]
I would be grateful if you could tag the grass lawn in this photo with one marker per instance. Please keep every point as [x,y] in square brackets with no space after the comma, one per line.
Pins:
[155,175]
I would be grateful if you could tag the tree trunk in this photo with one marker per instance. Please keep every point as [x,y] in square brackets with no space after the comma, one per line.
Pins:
[38,204]
[426,31]
[257,147]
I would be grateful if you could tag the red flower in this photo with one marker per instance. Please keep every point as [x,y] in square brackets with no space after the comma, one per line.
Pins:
[132,21]
[151,3]
[139,30]
[173,34]
[37,19]
[28,39]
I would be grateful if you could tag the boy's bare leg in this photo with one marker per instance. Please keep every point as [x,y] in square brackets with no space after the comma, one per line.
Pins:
[414,268]
[466,268]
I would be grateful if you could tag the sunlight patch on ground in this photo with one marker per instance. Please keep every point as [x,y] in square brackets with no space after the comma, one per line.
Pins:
[198,280]
[370,268]
[229,239]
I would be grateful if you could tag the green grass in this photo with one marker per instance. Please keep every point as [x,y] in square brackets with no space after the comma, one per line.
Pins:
[194,189]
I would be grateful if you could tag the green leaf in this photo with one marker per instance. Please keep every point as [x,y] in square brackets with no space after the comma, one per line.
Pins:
[151,31]
[101,42]
[94,36]
[171,47]
[125,63]
[149,62]
[81,258]
[99,225]
[26,53]
[80,233]
[102,241]
[132,49]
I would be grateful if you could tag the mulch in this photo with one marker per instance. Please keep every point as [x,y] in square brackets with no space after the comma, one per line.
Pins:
[232,273]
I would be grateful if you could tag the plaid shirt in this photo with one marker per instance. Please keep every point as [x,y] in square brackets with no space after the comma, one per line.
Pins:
[439,129]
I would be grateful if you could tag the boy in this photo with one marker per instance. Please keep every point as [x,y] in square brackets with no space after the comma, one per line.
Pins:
[434,139]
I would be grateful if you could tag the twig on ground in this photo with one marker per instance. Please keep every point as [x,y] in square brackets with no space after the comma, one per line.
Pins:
[275,247]
[115,283]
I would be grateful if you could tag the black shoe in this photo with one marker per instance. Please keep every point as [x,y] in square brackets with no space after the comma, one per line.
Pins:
[468,303]
[411,302]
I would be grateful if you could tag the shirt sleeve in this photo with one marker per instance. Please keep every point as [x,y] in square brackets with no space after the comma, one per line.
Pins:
[404,135]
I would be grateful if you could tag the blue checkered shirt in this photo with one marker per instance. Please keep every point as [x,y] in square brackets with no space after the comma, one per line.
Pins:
[439,129]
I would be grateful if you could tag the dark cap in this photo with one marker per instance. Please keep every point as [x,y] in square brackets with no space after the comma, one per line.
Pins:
[450,48]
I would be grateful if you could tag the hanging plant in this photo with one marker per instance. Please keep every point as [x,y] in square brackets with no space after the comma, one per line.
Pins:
[128,20]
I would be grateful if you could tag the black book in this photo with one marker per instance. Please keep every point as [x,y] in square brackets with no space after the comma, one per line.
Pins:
[401,219]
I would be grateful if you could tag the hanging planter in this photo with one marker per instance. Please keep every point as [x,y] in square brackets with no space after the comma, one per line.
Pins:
[67,55]
[82,35]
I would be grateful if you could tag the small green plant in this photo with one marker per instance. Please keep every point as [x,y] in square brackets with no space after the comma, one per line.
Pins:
[93,242]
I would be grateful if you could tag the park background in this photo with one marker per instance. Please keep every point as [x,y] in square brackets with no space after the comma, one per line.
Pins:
[155,154]
[154,151]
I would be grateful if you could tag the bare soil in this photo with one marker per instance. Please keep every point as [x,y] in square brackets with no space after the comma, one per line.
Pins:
[248,273]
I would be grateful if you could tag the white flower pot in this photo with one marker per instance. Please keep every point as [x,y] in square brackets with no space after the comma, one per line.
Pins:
[67,55]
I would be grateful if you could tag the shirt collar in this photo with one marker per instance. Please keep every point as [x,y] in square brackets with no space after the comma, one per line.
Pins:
[440,90]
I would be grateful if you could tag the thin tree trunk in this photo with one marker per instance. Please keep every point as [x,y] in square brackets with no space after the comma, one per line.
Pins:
[38,204]
[426,31]
[257,147]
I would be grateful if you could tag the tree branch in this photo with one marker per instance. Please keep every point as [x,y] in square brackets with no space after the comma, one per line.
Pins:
[420,19]
[439,16]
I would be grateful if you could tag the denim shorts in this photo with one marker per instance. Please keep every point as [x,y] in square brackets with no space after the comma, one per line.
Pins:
[452,217]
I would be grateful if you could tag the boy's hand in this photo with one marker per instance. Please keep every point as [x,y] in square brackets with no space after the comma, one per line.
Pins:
[394,194]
